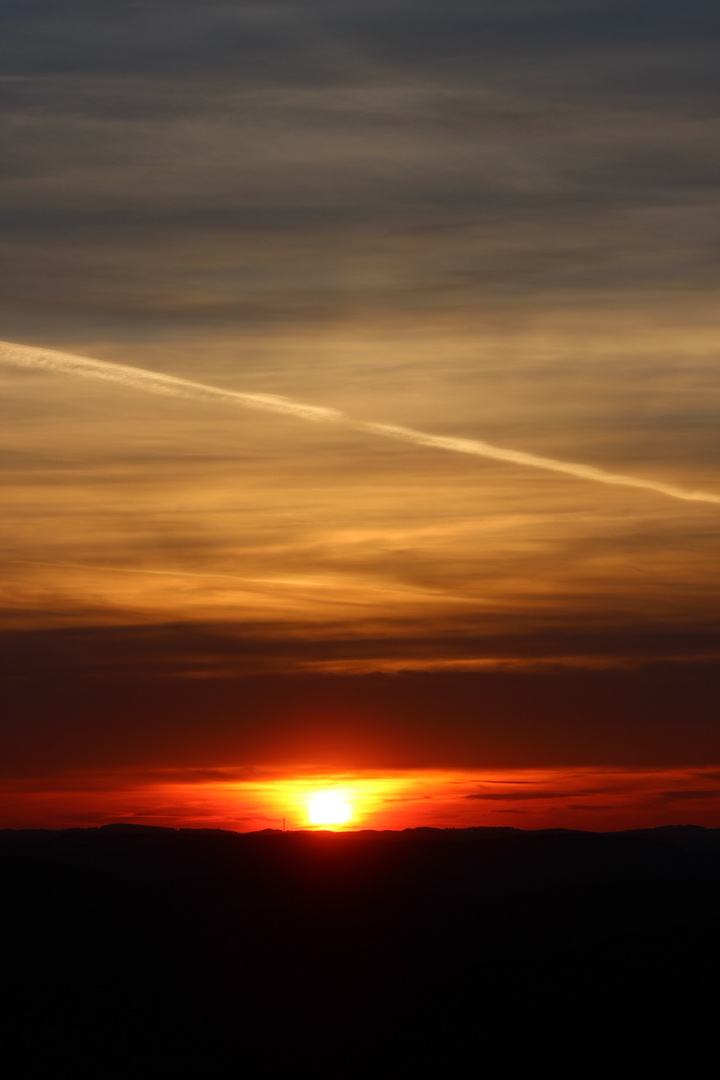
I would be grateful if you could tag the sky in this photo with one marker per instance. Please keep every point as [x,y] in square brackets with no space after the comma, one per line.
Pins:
[377,243]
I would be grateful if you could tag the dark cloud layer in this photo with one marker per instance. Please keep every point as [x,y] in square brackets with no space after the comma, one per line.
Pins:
[160,697]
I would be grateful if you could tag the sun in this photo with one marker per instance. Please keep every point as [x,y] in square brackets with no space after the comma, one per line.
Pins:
[329,808]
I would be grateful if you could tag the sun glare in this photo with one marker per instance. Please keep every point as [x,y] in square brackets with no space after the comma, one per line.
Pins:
[329,808]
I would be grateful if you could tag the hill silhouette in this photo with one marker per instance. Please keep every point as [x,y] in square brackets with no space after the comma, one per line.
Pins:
[348,952]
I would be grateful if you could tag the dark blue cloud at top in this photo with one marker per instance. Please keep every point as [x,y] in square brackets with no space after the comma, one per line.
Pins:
[305,40]
[139,119]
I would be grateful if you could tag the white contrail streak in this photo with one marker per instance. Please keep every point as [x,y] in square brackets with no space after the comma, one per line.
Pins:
[155,383]
[169,385]
[519,457]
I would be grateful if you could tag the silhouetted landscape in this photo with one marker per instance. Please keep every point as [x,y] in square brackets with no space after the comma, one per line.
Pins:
[353,951]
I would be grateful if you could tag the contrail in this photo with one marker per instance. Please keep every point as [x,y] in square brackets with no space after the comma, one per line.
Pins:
[172,386]
[519,457]
[155,383]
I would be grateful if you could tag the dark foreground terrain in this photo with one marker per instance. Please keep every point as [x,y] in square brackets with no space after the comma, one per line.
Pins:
[143,951]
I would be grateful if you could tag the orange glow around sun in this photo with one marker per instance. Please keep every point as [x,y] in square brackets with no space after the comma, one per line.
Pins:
[551,798]
[329,808]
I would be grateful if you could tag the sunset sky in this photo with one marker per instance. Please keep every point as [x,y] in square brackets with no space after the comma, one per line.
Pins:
[488,221]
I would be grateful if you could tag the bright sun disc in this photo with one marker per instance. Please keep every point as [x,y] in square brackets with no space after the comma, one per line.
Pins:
[329,808]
